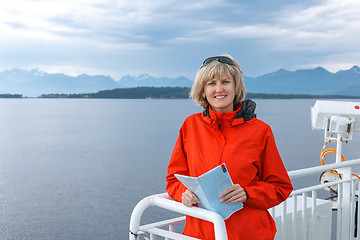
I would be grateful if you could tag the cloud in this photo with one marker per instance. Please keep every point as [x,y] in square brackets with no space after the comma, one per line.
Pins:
[326,34]
[135,25]
[324,26]
[293,29]
[101,34]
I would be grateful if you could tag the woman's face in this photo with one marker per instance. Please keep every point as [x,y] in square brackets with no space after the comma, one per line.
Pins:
[220,92]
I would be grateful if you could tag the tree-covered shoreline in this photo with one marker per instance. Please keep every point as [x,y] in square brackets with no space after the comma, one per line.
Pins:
[170,93]
[180,93]
[11,96]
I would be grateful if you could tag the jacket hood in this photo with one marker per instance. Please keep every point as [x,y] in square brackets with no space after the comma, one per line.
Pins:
[246,112]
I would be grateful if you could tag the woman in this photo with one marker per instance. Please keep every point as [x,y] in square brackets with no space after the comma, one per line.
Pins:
[228,132]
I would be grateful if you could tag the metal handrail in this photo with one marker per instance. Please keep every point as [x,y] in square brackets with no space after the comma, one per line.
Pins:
[312,170]
[165,201]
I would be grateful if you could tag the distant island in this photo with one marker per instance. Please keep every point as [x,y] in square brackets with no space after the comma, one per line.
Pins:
[179,93]
[11,96]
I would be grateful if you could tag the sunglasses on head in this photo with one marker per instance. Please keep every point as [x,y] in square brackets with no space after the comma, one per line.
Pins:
[221,59]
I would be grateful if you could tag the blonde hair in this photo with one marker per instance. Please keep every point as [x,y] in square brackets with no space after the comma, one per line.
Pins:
[214,69]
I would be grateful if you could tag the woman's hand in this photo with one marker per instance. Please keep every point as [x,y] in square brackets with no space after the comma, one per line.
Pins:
[235,193]
[189,198]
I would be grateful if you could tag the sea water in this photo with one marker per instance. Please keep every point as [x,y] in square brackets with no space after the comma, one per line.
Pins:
[75,168]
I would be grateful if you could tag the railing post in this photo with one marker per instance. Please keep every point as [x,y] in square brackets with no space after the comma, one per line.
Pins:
[304,217]
[356,232]
[345,204]
[283,220]
[135,218]
[313,214]
[171,229]
[352,209]
[294,223]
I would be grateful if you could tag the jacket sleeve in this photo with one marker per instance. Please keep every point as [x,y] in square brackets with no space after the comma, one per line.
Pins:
[177,165]
[274,185]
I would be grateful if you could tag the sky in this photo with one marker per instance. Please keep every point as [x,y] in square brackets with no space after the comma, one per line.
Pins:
[172,38]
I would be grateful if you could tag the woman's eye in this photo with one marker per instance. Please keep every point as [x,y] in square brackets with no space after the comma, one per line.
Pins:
[211,83]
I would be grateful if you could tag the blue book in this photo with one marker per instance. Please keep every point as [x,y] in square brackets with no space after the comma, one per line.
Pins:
[208,187]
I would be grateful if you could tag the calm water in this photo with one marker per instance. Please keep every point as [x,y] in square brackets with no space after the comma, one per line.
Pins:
[74,169]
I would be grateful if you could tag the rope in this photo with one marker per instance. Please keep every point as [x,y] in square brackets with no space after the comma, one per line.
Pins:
[324,152]
[140,233]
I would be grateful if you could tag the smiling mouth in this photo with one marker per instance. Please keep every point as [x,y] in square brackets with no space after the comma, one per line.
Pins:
[220,97]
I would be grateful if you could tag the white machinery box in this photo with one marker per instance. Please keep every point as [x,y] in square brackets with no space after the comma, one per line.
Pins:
[323,110]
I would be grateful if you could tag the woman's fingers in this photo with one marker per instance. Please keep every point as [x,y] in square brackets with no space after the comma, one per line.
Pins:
[189,198]
[235,193]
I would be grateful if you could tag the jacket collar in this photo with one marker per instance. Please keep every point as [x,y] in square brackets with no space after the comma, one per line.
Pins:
[245,113]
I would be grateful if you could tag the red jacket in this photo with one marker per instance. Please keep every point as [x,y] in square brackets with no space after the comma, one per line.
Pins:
[248,148]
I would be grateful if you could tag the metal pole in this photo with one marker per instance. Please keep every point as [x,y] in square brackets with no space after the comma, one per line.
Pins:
[283,220]
[338,148]
[345,204]
[294,213]
[304,222]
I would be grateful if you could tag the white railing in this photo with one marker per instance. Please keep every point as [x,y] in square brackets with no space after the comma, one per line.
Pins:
[165,201]
[300,217]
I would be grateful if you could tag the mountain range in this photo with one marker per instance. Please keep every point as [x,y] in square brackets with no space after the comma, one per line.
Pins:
[317,81]
[35,83]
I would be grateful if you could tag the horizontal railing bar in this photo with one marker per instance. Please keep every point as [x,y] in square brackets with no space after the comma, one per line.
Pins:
[312,170]
[317,187]
[164,223]
[167,234]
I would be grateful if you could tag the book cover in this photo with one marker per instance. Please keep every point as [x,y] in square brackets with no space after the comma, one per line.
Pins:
[208,187]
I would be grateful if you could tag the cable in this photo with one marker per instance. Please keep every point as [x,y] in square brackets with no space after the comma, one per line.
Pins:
[324,152]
